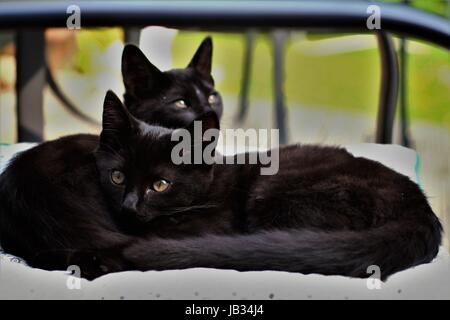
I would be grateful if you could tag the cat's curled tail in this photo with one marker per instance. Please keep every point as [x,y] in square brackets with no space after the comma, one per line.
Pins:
[394,246]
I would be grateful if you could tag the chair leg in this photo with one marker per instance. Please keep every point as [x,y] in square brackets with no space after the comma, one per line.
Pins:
[246,73]
[404,118]
[279,38]
[388,88]
[30,59]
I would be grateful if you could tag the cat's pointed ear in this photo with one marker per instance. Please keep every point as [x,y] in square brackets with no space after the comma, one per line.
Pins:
[202,59]
[117,123]
[139,74]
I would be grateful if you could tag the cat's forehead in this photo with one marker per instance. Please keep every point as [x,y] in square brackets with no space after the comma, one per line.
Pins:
[190,80]
[151,142]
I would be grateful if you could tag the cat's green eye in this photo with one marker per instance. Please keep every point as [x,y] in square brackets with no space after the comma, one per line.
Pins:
[161,185]
[181,104]
[117,177]
[212,99]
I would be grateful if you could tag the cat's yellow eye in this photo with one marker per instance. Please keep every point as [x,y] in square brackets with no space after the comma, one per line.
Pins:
[212,99]
[181,104]
[161,185]
[117,177]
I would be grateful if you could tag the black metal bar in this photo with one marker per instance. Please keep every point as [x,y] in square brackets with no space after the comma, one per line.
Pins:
[30,59]
[232,15]
[404,119]
[65,101]
[279,42]
[389,84]
[246,73]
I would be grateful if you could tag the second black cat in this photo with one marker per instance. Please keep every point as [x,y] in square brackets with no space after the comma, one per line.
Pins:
[171,98]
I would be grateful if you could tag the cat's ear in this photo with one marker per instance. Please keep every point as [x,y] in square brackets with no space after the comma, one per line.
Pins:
[202,59]
[117,123]
[139,74]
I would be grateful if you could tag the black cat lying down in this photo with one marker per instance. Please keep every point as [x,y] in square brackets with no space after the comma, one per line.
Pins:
[117,202]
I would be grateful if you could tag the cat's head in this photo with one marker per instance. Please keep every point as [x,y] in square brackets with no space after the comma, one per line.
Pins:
[137,174]
[171,98]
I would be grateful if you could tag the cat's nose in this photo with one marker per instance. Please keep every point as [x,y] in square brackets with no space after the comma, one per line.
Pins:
[129,204]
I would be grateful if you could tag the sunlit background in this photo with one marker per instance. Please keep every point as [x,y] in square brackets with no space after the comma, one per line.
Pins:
[331,86]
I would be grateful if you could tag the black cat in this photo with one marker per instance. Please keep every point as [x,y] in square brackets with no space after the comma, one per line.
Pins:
[118,202]
[172,98]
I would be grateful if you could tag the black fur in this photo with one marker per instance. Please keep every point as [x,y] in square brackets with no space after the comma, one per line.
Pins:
[325,211]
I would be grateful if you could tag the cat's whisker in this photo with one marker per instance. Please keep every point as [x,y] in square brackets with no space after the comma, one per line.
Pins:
[191,209]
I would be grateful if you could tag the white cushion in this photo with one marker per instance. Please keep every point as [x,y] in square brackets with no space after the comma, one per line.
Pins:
[430,281]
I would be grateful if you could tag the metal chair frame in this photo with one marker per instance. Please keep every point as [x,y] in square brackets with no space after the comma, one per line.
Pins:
[31,19]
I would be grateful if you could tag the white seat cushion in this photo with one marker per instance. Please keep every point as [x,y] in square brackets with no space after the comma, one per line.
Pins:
[430,281]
